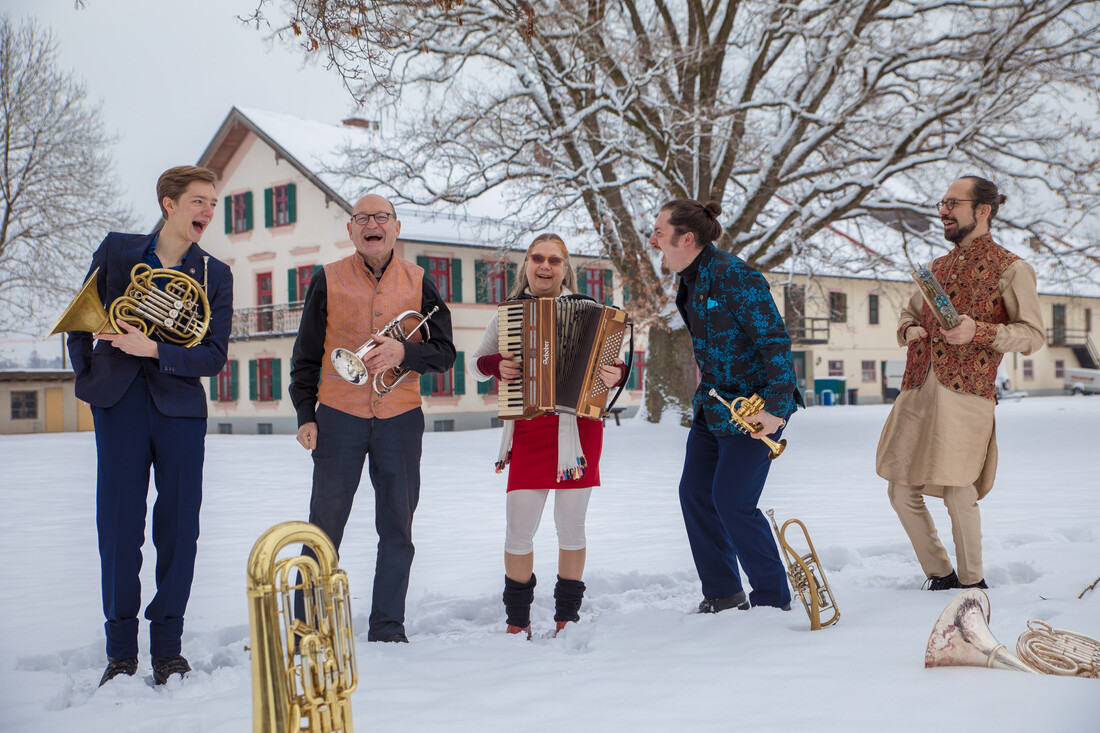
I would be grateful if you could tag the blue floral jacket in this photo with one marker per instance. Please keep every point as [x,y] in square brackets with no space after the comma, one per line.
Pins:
[740,342]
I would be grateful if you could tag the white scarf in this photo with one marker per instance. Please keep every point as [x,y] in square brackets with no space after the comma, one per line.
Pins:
[571,461]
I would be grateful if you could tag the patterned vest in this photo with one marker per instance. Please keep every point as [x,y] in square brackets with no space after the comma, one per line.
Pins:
[359,306]
[971,278]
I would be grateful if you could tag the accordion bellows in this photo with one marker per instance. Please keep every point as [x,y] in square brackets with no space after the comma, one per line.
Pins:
[561,342]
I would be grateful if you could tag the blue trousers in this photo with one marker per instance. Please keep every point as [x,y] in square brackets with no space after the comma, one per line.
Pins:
[719,490]
[131,437]
[394,445]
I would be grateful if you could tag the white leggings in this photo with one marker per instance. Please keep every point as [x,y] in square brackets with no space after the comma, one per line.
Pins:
[525,512]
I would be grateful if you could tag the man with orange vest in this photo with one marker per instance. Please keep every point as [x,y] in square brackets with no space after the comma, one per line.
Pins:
[348,303]
[939,439]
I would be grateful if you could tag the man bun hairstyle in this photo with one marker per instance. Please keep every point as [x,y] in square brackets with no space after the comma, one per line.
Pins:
[985,192]
[174,181]
[689,215]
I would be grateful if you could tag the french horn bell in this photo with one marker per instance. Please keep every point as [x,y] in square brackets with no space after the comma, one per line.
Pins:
[961,637]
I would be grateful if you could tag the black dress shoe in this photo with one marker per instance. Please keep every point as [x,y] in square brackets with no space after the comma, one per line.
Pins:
[115,667]
[165,667]
[979,584]
[398,638]
[948,582]
[739,601]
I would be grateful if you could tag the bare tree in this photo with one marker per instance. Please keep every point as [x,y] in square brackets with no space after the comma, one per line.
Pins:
[57,190]
[796,116]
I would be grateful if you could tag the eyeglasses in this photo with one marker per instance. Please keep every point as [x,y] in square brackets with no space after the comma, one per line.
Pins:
[554,260]
[364,219]
[949,204]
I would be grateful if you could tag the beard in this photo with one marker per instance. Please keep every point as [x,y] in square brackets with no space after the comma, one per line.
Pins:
[960,233]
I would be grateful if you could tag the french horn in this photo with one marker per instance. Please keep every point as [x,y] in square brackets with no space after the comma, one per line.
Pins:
[349,364]
[303,670]
[161,302]
[1055,651]
[741,410]
[807,576]
[961,637]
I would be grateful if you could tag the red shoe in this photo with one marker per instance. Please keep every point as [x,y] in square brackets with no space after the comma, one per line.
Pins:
[561,625]
[513,629]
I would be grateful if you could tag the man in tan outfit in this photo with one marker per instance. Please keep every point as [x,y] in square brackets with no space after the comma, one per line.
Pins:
[939,439]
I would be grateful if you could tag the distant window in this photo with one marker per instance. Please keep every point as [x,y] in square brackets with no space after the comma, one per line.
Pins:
[443,426]
[439,270]
[1088,320]
[24,405]
[442,384]
[242,213]
[838,307]
[636,380]
[280,201]
[264,297]
[227,382]
[264,381]
[1059,368]
[302,278]
[1029,369]
[836,368]
[592,283]
[225,428]
[263,428]
[868,370]
[872,310]
[497,284]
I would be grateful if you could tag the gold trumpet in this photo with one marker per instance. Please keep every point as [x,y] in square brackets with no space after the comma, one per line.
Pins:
[161,302]
[807,576]
[349,364]
[308,686]
[741,410]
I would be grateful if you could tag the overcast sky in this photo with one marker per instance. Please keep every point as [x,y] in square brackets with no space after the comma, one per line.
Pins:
[169,72]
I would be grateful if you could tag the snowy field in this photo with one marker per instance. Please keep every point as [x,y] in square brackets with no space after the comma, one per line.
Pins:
[640,659]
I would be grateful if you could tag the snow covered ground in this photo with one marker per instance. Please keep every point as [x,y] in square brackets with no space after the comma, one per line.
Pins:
[640,659]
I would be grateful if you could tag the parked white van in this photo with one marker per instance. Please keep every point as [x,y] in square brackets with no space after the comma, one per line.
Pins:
[1083,381]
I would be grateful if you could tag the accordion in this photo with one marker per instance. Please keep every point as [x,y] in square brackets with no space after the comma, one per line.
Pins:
[561,343]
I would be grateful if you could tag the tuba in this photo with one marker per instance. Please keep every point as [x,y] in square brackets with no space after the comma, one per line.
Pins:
[303,670]
[349,364]
[807,576]
[161,302]
[961,637]
[741,410]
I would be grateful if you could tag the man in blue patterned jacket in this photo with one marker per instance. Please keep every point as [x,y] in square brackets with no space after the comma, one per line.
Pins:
[742,348]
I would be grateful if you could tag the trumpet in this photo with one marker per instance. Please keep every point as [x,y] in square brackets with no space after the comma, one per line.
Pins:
[741,410]
[807,576]
[161,302]
[349,364]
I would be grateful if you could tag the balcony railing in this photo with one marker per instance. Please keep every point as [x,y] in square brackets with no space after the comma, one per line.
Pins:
[808,329]
[266,321]
[1077,339]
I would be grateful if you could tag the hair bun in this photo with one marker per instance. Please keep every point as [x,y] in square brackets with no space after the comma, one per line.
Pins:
[713,208]
[1001,199]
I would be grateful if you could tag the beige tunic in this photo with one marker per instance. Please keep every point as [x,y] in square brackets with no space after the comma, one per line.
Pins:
[937,437]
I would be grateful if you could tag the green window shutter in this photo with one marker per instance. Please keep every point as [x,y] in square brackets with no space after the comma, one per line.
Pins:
[456,280]
[608,277]
[425,384]
[214,389]
[512,269]
[292,285]
[481,282]
[253,381]
[269,209]
[485,387]
[276,379]
[422,260]
[291,203]
[626,293]
[460,374]
[228,214]
[316,269]
[248,211]
[233,380]
[632,380]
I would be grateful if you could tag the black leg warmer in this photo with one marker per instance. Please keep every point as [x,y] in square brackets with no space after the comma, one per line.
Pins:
[567,599]
[517,601]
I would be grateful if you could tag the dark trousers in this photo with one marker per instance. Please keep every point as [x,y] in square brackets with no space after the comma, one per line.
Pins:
[131,437]
[394,445]
[719,489]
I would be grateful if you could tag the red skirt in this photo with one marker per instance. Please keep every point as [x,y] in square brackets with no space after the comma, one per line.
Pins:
[534,463]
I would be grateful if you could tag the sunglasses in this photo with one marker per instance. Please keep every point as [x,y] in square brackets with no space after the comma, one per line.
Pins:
[554,260]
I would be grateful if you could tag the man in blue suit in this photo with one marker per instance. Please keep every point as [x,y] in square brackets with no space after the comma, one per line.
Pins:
[149,410]
[742,348]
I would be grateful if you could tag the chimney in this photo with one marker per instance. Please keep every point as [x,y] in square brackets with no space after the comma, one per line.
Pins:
[360,122]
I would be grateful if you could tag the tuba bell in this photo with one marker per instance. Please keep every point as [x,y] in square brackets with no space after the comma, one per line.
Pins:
[303,670]
[161,302]
[961,637]
[349,364]
[744,408]
[807,576]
